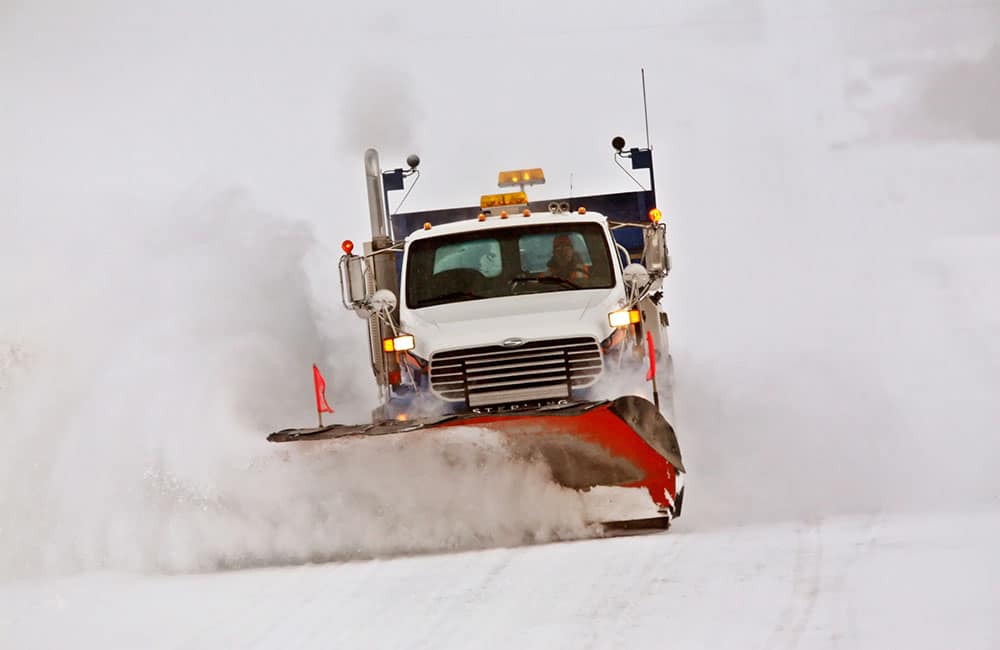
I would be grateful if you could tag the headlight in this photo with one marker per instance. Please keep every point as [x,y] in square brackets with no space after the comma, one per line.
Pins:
[400,343]
[623,317]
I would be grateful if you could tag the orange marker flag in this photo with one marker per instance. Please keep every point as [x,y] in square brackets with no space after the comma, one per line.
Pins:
[651,375]
[652,357]
[321,404]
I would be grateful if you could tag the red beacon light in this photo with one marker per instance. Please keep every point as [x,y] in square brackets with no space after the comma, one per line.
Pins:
[348,246]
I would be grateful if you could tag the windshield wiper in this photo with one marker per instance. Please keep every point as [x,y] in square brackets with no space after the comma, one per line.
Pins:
[546,279]
[449,297]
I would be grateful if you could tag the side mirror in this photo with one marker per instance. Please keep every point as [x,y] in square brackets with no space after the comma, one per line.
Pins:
[353,287]
[654,251]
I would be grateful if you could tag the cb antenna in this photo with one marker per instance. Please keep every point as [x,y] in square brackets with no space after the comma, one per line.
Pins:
[645,110]
[641,158]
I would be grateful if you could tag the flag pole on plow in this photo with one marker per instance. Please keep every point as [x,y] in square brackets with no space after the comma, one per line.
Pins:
[320,385]
[651,375]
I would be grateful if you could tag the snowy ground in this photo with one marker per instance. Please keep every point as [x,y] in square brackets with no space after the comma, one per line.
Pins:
[879,581]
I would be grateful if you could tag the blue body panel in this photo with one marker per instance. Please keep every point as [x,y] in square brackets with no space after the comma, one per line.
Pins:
[628,207]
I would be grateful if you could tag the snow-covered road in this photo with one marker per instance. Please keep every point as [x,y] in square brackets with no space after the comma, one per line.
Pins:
[912,582]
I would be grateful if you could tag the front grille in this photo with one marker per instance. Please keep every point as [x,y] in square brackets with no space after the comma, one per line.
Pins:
[536,371]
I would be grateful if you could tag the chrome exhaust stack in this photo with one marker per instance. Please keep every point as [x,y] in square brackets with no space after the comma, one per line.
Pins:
[376,201]
[383,276]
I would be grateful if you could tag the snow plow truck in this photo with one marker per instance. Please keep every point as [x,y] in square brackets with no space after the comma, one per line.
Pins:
[540,320]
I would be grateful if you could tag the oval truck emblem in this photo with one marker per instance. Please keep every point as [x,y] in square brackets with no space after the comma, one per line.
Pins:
[512,343]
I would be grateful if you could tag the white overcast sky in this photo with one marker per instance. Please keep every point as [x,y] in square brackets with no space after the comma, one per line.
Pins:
[105,98]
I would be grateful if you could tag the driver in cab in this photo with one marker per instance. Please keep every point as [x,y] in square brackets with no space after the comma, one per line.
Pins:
[566,263]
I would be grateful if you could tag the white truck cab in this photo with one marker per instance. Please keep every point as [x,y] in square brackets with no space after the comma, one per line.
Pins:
[496,319]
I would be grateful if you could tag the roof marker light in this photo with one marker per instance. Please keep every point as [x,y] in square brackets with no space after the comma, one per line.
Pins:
[582,210]
[500,200]
[347,246]
[503,214]
[526,212]
[482,217]
[427,225]
[655,215]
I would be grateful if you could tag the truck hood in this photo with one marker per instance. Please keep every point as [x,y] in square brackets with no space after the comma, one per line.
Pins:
[556,314]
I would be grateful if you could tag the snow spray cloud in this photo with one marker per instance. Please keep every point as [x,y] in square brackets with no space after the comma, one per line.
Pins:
[141,373]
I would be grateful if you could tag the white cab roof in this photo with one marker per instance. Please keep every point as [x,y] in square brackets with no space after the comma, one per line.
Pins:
[515,220]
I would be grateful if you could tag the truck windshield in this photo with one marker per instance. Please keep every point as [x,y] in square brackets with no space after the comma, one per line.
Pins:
[506,262]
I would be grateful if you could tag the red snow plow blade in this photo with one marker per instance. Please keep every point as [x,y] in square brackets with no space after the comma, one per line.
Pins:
[624,442]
